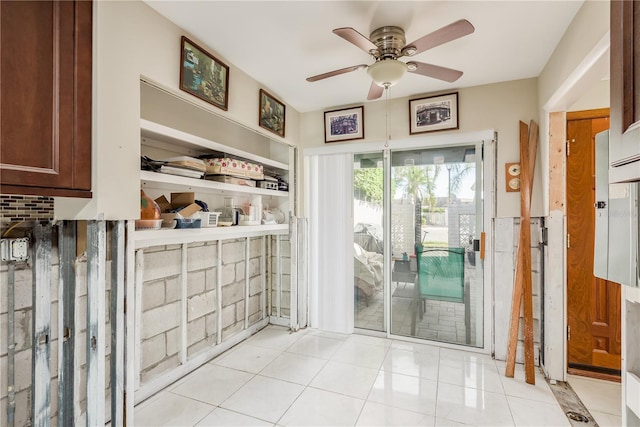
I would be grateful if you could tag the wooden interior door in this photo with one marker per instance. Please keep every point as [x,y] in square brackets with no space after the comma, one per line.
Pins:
[593,304]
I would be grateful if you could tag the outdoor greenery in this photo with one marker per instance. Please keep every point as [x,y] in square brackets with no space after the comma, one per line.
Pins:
[457,172]
[417,182]
[368,184]
[426,209]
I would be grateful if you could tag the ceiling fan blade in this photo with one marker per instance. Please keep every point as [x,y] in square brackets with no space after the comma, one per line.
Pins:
[437,72]
[354,37]
[445,34]
[375,91]
[335,73]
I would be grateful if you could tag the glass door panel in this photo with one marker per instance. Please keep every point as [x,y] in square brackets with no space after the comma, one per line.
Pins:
[436,281]
[369,295]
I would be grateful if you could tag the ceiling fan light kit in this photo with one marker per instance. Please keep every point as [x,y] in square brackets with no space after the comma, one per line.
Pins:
[387,72]
[387,44]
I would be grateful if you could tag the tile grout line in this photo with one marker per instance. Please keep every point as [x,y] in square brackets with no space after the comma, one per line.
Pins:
[307,385]
[366,399]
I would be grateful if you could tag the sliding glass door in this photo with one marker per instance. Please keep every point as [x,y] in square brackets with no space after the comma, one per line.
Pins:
[436,289]
[434,199]
[368,241]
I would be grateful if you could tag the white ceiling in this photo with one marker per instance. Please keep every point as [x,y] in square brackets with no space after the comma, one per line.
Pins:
[281,43]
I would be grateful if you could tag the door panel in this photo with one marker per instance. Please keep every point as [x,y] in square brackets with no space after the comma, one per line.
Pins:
[436,214]
[593,304]
[368,242]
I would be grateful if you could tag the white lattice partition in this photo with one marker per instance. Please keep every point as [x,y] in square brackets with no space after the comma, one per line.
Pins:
[402,226]
[461,224]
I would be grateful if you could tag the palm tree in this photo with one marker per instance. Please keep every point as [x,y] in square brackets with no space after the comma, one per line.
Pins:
[457,172]
[418,182]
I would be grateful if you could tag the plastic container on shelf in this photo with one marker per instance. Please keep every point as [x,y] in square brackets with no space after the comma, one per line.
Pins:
[188,222]
[149,214]
[148,224]
[209,219]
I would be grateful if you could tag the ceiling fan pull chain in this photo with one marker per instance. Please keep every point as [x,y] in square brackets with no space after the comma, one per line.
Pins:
[387,136]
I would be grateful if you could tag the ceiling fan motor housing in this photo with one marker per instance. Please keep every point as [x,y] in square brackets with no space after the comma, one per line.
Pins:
[389,41]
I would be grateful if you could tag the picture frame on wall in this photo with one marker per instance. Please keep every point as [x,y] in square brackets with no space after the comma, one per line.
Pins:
[203,75]
[344,125]
[433,113]
[271,114]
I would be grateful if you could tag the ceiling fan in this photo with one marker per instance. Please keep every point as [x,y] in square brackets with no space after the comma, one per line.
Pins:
[387,44]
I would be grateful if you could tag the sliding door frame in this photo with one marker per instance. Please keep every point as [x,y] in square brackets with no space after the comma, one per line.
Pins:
[484,138]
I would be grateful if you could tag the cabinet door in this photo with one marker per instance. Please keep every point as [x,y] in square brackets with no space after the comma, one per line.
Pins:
[625,83]
[45,97]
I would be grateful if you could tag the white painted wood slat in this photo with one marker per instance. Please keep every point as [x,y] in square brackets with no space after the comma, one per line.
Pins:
[41,324]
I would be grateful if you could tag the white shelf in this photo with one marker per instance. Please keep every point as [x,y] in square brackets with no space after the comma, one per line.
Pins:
[181,183]
[173,136]
[147,238]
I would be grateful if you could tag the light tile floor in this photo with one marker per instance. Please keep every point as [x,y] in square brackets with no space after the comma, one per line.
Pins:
[602,398]
[316,378]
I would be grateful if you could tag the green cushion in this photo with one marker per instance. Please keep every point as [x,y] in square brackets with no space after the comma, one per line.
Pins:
[441,273]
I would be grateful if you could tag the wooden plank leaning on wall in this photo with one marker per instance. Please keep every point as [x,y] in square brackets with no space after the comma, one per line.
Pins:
[523,292]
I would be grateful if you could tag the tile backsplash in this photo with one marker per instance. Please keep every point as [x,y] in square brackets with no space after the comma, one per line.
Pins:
[25,208]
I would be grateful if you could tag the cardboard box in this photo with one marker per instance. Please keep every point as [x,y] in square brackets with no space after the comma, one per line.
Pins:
[185,213]
[182,199]
[178,204]
[163,203]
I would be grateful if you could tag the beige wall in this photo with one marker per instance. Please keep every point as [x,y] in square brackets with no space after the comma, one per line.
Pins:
[132,40]
[594,98]
[497,106]
[590,24]
[576,66]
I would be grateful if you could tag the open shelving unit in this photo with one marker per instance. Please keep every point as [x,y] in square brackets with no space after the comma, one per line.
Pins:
[180,183]
[231,281]
[197,145]
[161,138]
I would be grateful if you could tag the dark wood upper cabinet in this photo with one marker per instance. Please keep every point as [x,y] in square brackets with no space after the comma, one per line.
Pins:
[625,86]
[45,97]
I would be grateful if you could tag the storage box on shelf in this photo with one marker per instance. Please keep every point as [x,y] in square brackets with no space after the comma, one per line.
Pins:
[233,167]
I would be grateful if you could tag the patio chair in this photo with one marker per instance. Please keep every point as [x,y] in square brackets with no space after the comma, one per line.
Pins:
[440,277]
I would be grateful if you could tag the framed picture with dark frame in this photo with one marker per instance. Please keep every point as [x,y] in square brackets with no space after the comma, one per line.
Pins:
[433,113]
[271,114]
[203,75]
[344,125]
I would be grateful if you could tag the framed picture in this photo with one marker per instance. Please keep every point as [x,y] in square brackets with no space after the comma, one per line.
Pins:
[272,113]
[203,75]
[433,113]
[344,125]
